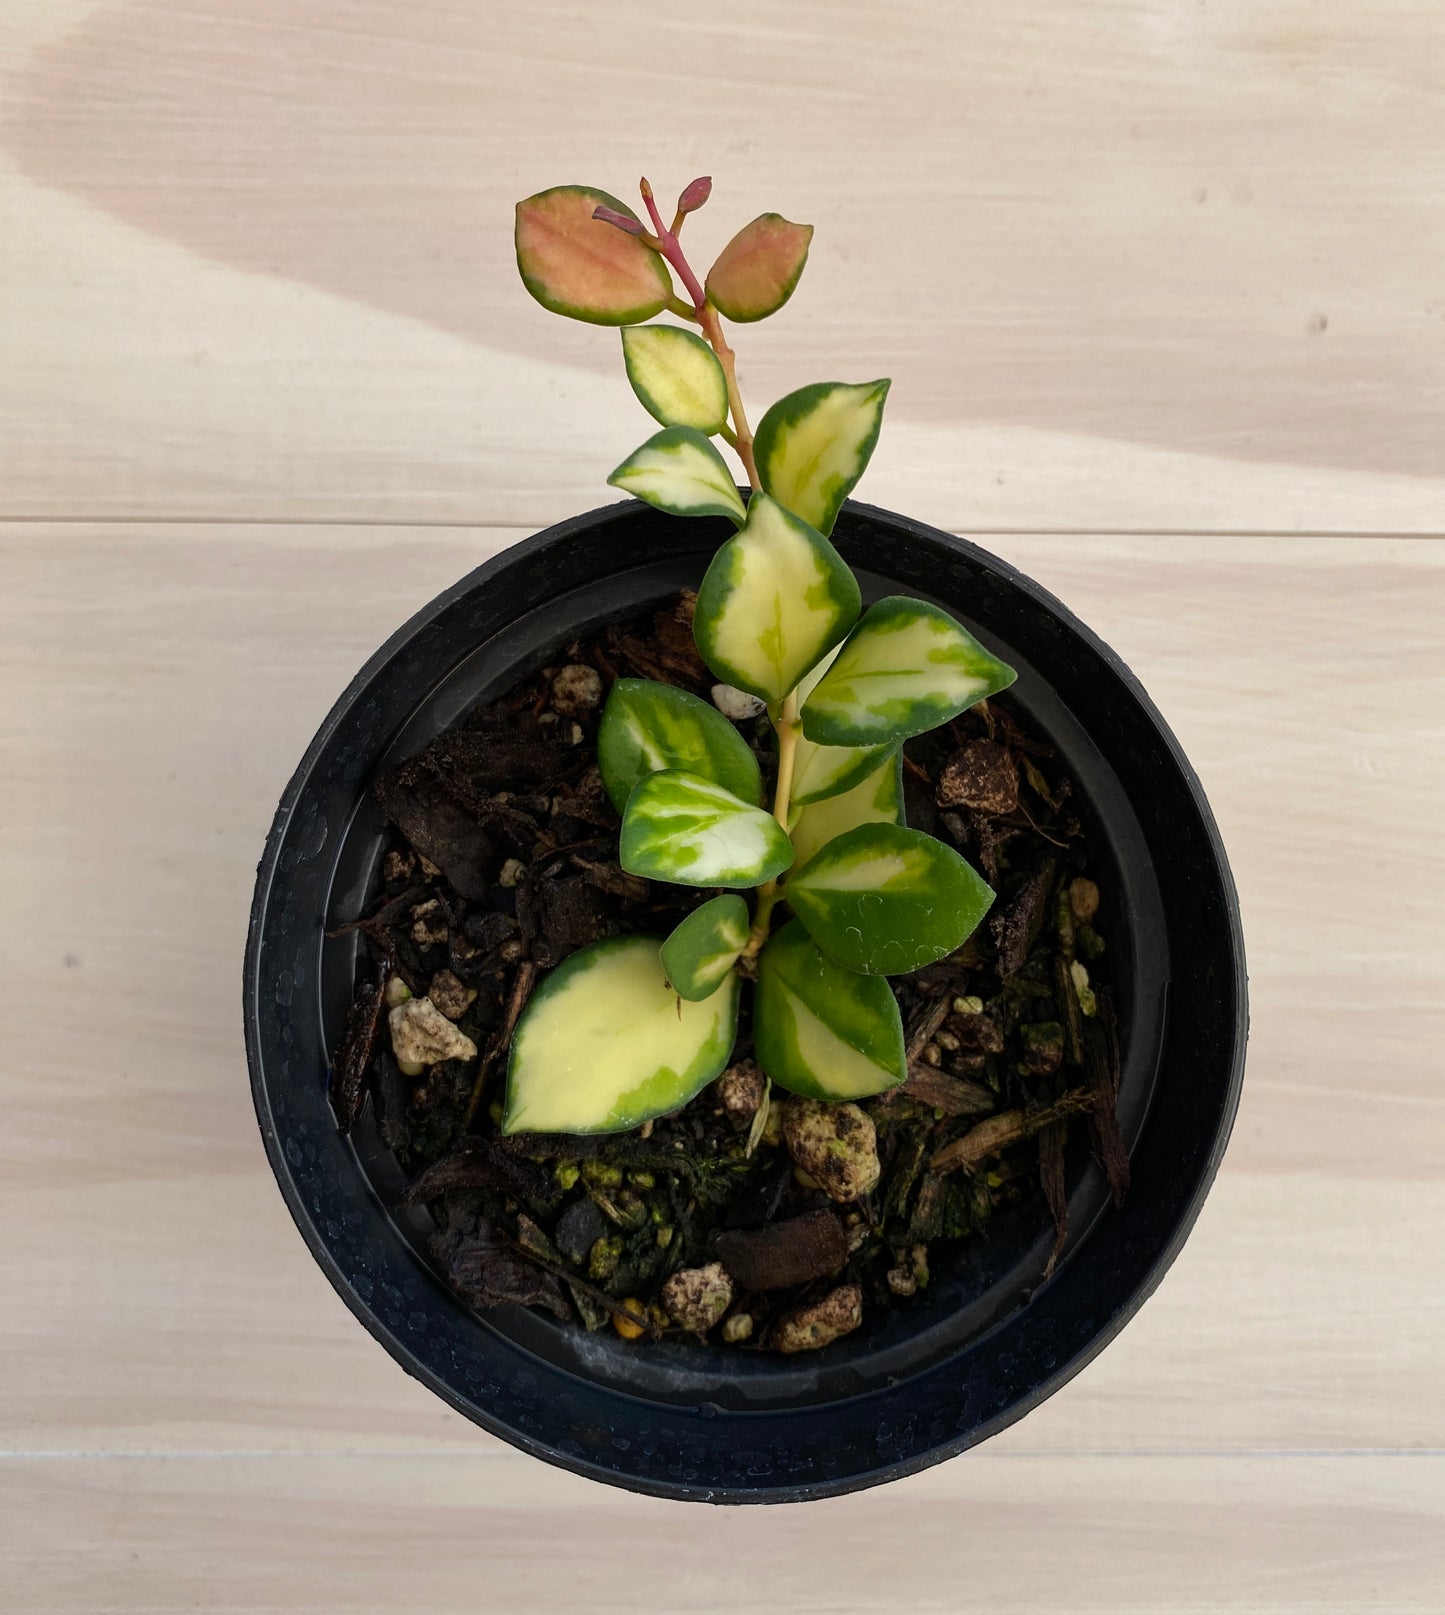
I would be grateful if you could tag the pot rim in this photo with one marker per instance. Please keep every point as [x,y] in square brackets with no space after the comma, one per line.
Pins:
[518,553]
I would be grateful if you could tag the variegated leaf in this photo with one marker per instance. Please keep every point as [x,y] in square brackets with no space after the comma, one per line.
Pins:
[604,1044]
[576,265]
[756,272]
[905,668]
[704,947]
[823,771]
[885,900]
[687,830]
[679,471]
[812,446]
[676,376]
[776,597]
[875,799]
[648,726]
[820,1030]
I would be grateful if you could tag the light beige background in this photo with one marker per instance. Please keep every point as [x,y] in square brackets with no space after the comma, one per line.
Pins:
[1160,288]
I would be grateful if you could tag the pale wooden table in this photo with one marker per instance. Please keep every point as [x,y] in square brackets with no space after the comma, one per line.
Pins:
[1159,285]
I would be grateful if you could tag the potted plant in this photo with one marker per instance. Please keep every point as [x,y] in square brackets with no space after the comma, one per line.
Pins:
[715,949]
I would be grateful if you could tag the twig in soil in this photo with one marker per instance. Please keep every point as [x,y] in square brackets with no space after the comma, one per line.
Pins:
[363,1024]
[928,1023]
[999,1132]
[954,1096]
[521,992]
[618,1309]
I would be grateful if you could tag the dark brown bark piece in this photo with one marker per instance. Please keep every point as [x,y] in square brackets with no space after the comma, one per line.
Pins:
[477,1163]
[784,1254]
[511,756]
[983,776]
[1000,1132]
[348,1075]
[952,1095]
[489,1271]
[1016,928]
[438,829]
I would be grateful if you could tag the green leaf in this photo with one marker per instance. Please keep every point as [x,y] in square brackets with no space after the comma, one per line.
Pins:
[604,1045]
[679,471]
[820,1030]
[647,726]
[876,799]
[885,900]
[812,446]
[776,597]
[905,668]
[576,265]
[692,832]
[704,947]
[676,376]
[756,272]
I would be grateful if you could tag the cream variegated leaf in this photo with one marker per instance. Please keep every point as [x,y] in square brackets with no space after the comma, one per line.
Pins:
[907,667]
[679,471]
[605,1045]
[676,377]
[812,446]
[820,1030]
[704,947]
[885,900]
[775,599]
[648,726]
[876,799]
[823,771]
[680,828]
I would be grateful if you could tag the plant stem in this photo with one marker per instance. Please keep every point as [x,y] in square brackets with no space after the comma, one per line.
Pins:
[713,331]
[788,729]
[707,316]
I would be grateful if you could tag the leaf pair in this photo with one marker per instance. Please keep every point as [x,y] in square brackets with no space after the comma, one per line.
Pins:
[687,786]
[811,447]
[602,270]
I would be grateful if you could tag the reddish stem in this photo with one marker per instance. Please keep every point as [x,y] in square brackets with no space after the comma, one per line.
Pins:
[707,317]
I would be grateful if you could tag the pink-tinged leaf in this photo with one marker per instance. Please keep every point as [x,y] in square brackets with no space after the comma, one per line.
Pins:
[577,265]
[756,272]
[695,195]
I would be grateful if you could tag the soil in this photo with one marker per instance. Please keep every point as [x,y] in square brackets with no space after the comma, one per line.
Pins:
[502,860]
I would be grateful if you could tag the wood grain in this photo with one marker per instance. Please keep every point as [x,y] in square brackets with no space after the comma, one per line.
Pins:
[1158,285]
[157,685]
[1133,266]
[1022,1535]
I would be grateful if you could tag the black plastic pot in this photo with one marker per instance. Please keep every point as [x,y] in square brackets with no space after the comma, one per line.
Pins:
[990,1341]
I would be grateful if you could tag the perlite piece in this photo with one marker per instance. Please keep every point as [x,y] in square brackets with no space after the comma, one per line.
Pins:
[697,1297]
[811,1328]
[422,1035]
[836,1145]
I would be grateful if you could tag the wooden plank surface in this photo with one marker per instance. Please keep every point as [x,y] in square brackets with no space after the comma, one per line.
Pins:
[1024,1536]
[180,1383]
[1133,265]
[1158,285]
